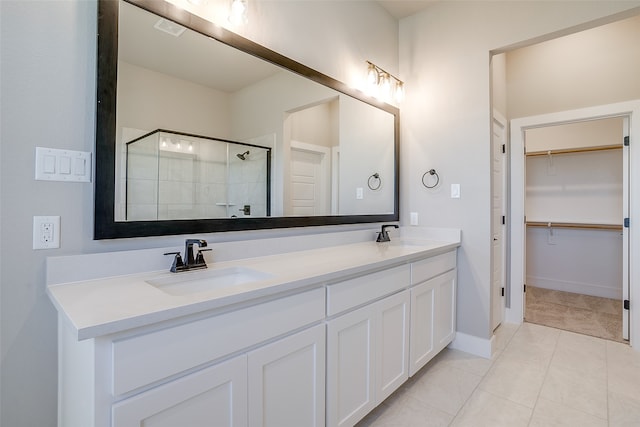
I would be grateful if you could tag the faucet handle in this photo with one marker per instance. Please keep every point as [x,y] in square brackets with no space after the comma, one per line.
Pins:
[200,258]
[177,264]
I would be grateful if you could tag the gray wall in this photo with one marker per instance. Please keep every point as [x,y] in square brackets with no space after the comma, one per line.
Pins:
[47,99]
[444,59]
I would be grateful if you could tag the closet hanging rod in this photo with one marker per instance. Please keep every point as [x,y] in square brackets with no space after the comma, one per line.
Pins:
[574,225]
[574,150]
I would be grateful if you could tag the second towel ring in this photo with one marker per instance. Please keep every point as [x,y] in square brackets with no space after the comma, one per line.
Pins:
[375,177]
[431,172]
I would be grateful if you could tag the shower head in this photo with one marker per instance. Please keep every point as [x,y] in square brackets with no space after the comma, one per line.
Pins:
[243,156]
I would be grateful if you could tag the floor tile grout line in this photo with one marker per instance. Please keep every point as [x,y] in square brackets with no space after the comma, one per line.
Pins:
[493,362]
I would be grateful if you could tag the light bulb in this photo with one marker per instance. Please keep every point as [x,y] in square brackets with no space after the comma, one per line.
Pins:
[372,75]
[238,12]
[399,95]
[385,85]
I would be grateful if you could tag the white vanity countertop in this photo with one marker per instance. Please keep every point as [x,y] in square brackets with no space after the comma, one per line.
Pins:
[114,304]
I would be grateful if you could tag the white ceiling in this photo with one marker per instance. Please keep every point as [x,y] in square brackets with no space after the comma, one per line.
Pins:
[402,8]
[183,56]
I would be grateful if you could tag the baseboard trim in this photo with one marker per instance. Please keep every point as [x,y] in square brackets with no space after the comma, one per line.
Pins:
[474,345]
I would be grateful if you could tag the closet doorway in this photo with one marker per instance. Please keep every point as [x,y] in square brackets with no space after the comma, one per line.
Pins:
[575,202]
[518,229]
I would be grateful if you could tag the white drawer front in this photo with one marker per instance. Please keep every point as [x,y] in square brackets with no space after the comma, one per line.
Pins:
[352,293]
[432,267]
[144,359]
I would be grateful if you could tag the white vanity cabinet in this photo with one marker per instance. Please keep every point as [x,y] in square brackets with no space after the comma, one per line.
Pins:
[278,384]
[367,348]
[287,381]
[242,367]
[214,396]
[433,308]
[310,350]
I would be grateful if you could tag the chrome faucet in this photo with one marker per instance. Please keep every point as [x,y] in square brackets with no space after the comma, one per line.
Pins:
[383,234]
[190,262]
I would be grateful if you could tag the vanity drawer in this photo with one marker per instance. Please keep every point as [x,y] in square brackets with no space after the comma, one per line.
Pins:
[432,267]
[352,293]
[144,359]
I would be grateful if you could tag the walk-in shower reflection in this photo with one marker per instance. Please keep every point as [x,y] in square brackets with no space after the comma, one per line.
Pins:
[172,175]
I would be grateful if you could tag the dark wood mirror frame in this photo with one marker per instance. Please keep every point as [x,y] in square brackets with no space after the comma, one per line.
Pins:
[105,226]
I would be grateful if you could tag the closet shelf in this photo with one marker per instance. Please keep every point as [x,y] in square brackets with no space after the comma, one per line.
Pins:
[574,150]
[574,225]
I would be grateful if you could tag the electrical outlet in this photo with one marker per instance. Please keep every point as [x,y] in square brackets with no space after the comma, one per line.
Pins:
[46,232]
[359,193]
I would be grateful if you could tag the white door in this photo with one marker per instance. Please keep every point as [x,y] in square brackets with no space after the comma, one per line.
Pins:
[214,396]
[350,367]
[498,211]
[392,345]
[422,343]
[286,381]
[445,313]
[309,180]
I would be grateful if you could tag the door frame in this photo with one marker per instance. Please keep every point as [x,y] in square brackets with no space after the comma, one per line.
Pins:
[629,109]
[499,119]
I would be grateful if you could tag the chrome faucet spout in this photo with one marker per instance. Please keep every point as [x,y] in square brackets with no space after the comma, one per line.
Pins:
[192,261]
[383,234]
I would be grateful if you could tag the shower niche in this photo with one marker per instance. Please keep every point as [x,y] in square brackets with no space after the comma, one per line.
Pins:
[172,175]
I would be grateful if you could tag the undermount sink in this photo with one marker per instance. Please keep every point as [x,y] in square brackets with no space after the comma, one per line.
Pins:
[406,242]
[187,283]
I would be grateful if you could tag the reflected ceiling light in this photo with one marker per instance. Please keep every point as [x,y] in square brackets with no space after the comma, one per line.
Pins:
[169,27]
[197,2]
[238,12]
[381,82]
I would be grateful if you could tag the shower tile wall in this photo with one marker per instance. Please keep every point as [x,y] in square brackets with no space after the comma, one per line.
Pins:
[247,183]
[179,183]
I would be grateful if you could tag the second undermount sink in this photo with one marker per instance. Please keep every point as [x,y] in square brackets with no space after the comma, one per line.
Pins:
[194,282]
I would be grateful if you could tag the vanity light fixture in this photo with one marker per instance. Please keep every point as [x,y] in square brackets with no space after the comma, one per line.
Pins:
[238,12]
[381,82]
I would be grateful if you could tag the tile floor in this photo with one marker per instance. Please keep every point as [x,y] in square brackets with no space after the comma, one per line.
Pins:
[539,376]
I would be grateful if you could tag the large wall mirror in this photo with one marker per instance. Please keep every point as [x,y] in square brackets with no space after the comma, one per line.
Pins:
[200,130]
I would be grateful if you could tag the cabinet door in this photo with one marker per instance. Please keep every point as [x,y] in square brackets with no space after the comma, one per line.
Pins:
[215,396]
[286,381]
[350,367]
[445,320]
[392,344]
[422,346]
[433,319]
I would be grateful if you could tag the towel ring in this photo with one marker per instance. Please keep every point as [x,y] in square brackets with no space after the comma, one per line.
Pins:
[375,177]
[431,172]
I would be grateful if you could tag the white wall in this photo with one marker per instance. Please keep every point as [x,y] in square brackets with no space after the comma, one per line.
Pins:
[47,83]
[151,100]
[444,60]
[594,67]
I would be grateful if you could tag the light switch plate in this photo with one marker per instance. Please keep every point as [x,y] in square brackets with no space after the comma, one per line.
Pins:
[63,165]
[46,232]
[455,191]
[413,218]
[359,193]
